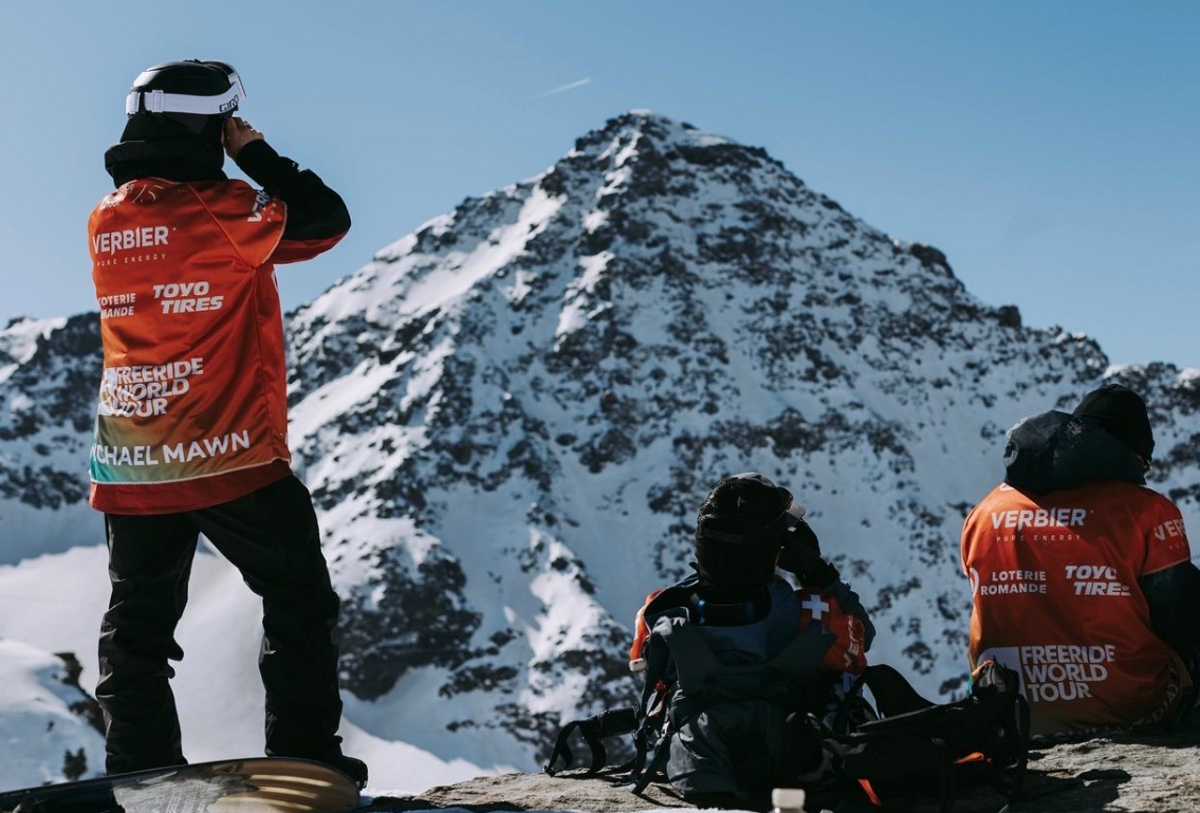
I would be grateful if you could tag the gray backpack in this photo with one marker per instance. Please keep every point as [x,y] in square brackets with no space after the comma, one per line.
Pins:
[716,699]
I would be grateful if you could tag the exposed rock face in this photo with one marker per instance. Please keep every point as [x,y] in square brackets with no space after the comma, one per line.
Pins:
[509,418]
[49,374]
[1149,772]
[521,406]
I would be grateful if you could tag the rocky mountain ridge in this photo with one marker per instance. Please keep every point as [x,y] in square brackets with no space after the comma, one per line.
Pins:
[509,417]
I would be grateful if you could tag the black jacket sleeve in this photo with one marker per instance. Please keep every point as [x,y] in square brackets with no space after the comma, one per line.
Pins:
[315,212]
[1174,598]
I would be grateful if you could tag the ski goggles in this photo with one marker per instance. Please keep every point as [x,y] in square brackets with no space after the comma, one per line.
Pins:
[157,101]
[792,513]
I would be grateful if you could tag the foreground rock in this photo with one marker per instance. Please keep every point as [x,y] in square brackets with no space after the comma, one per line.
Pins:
[1154,773]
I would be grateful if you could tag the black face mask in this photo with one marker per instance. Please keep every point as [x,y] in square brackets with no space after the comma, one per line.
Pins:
[155,146]
[734,567]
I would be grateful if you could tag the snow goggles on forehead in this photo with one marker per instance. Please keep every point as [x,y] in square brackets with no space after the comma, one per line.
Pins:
[158,101]
[793,512]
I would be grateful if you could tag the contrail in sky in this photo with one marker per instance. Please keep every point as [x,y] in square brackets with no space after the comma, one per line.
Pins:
[564,88]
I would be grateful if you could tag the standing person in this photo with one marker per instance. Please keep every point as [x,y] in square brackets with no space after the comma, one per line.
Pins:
[191,431]
[1081,575]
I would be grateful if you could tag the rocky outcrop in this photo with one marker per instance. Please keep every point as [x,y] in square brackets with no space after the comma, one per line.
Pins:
[1149,773]
[513,413]
[49,375]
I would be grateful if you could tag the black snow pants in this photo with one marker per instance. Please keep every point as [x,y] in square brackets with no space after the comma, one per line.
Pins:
[271,536]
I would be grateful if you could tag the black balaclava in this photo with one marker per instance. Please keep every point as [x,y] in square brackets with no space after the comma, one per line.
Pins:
[157,146]
[738,537]
[1121,412]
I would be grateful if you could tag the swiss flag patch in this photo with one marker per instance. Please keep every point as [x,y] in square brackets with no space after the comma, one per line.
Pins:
[848,653]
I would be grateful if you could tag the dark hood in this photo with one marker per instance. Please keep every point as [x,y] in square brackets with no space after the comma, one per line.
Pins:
[155,147]
[1054,450]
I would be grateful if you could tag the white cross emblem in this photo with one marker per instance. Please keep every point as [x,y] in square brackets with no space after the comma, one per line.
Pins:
[816,606]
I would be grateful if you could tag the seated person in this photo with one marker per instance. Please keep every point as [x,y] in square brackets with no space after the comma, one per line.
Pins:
[746,651]
[1081,575]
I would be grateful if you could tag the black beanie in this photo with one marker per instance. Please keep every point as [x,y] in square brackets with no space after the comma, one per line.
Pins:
[1122,413]
[736,545]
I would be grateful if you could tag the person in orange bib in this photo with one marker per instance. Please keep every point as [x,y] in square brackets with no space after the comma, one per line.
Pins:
[1081,576]
[747,614]
[191,428]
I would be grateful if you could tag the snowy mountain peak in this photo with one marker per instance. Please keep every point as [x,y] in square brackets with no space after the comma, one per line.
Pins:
[635,179]
[661,131]
[511,415]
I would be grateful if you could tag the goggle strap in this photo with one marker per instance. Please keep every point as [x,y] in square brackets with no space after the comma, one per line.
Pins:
[156,101]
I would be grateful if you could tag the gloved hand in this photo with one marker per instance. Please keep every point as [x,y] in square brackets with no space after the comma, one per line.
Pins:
[801,554]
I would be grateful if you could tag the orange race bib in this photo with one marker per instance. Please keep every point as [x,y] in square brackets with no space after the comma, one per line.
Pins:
[1054,580]
[193,380]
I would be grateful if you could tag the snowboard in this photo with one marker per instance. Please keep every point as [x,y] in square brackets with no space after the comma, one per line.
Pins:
[262,785]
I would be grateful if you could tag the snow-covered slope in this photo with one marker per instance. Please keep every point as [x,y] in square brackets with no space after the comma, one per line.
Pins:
[509,418]
[50,730]
[55,602]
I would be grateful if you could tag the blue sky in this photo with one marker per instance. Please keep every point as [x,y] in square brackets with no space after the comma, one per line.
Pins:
[1050,149]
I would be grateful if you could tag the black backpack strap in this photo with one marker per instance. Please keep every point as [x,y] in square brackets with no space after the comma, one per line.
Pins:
[594,731]
[694,660]
[653,728]
[991,677]
[1014,743]
[657,657]
[995,684]
[893,695]
[662,751]
[563,750]
[652,712]
[644,721]
[947,786]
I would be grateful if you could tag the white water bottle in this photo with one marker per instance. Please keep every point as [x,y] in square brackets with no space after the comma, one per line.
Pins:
[788,800]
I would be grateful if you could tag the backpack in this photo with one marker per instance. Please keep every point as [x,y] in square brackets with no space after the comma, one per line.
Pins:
[919,749]
[716,700]
[711,693]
